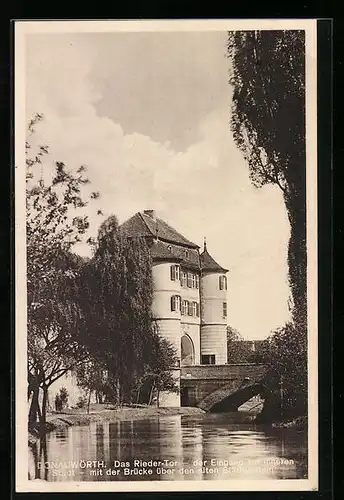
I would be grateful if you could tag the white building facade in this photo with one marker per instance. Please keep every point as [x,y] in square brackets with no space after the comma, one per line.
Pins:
[190,295]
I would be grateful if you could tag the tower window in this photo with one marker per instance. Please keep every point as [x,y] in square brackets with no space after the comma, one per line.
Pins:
[224,305]
[208,359]
[175,303]
[223,282]
[175,273]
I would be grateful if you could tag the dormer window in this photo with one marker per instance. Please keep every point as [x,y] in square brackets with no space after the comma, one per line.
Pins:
[186,254]
[175,273]
[223,282]
[169,248]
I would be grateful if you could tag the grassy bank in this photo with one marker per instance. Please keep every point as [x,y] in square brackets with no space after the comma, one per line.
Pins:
[103,413]
[296,423]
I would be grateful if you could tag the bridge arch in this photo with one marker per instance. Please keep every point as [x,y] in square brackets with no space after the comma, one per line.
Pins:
[225,400]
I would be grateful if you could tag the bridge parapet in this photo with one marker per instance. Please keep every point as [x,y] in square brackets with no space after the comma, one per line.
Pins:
[230,371]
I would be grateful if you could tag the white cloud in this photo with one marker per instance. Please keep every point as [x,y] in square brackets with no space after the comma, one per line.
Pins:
[202,191]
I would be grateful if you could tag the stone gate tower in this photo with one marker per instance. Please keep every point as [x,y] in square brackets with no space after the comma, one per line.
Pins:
[213,311]
[189,300]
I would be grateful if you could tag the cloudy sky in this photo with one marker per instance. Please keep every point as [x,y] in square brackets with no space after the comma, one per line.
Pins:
[148,113]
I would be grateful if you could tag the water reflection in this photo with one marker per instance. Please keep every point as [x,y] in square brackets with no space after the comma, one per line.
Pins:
[204,447]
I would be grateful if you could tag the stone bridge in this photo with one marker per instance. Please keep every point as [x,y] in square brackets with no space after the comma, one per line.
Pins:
[223,387]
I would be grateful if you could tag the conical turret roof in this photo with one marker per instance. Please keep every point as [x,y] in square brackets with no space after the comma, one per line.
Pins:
[210,264]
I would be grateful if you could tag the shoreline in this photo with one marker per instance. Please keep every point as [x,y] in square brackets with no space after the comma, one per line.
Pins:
[72,417]
[68,418]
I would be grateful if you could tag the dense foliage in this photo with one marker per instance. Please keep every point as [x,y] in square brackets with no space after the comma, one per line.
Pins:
[118,326]
[237,349]
[268,124]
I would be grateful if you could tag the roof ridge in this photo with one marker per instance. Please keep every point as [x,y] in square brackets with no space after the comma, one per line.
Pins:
[145,223]
[187,241]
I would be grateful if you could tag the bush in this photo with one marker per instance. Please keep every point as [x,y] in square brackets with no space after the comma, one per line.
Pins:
[61,399]
[81,402]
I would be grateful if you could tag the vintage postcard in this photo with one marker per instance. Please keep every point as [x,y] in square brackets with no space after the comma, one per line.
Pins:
[166,255]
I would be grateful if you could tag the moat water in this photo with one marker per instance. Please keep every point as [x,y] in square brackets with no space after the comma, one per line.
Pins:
[201,447]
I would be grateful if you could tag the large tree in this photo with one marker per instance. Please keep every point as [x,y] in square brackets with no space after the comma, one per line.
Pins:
[268,123]
[116,302]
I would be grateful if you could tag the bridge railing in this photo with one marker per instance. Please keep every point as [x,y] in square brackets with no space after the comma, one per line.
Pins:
[237,370]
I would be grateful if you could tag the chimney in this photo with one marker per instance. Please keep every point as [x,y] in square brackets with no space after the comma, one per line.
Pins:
[150,213]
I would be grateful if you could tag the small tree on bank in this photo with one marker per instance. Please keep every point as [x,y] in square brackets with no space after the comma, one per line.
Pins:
[53,225]
[237,349]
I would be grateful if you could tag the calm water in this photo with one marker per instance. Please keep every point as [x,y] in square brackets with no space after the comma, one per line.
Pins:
[207,447]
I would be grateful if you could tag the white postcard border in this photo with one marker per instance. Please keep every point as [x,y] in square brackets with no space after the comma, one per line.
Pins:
[24,28]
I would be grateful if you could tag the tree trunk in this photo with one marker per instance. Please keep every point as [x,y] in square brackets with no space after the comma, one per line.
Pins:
[118,393]
[138,395]
[89,401]
[34,407]
[297,258]
[151,393]
[43,417]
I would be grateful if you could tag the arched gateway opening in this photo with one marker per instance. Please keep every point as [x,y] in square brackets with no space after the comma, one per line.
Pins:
[187,351]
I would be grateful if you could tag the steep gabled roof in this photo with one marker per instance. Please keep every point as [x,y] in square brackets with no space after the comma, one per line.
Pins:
[159,251]
[135,226]
[209,264]
[141,224]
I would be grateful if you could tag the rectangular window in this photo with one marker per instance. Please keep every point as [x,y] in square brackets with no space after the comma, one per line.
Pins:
[223,282]
[185,307]
[189,280]
[194,308]
[197,281]
[183,279]
[208,359]
[224,305]
[175,273]
[193,281]
[190,309]
[175,303]
[197,309]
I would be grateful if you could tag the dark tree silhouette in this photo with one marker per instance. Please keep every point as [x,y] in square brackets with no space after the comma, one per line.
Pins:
[268,123]
[116,300]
